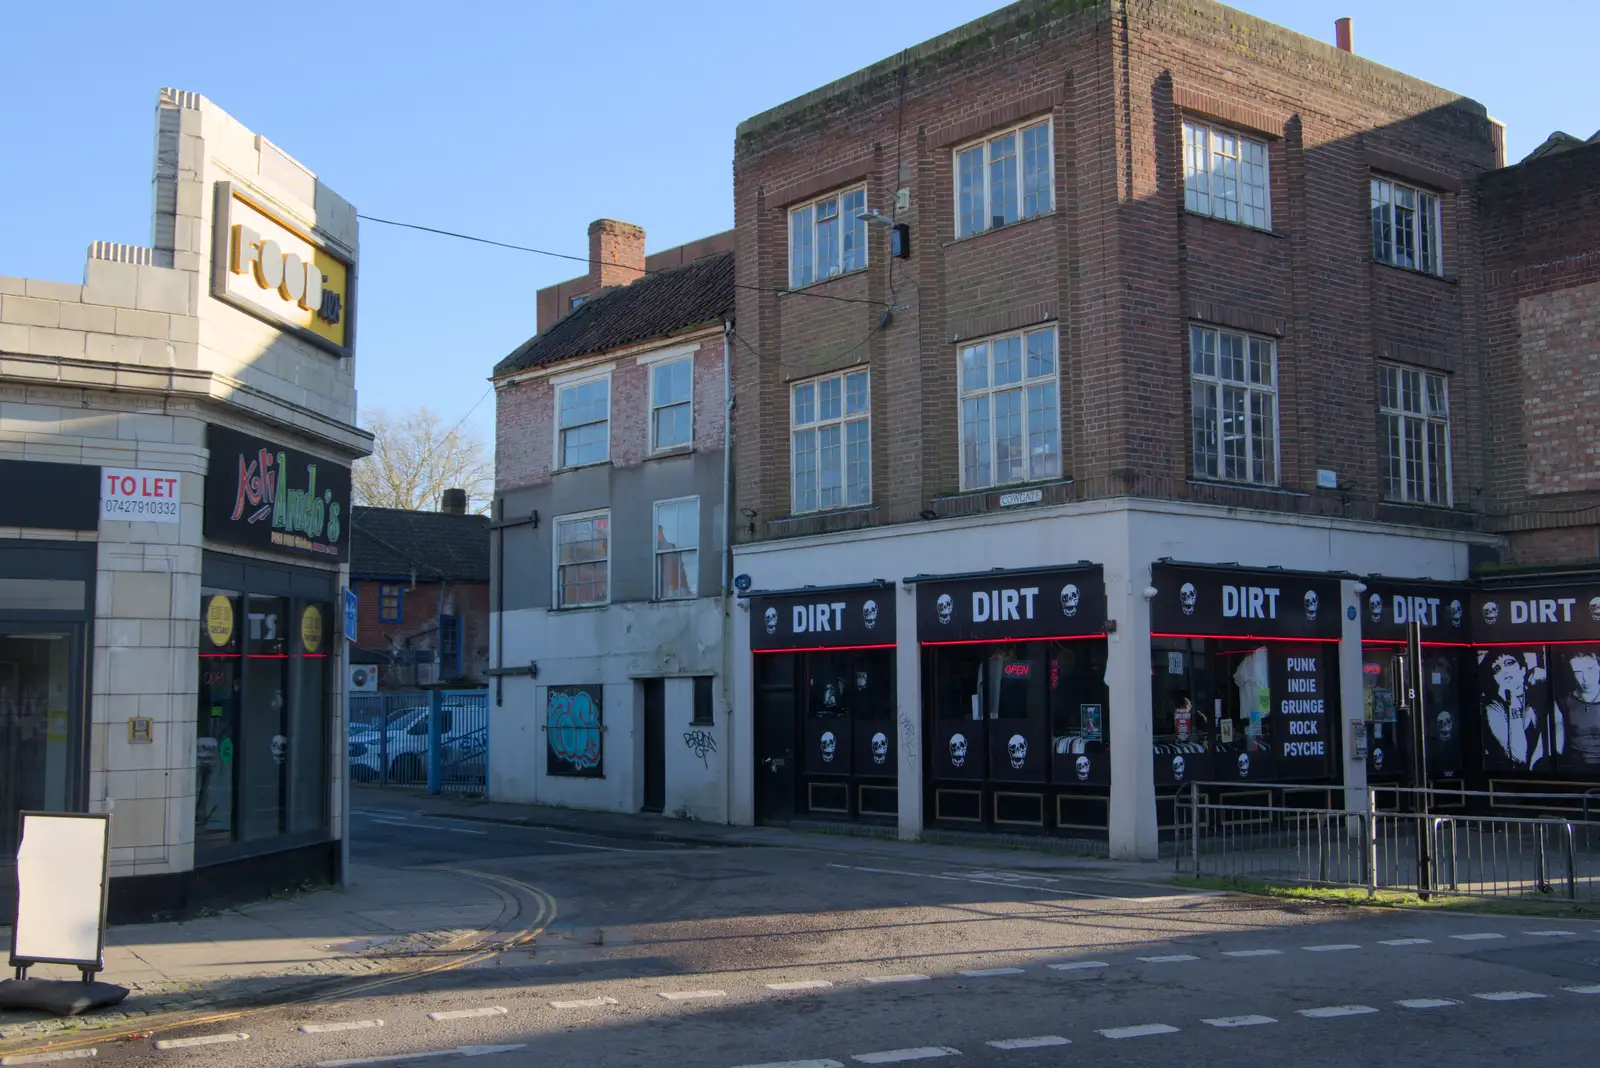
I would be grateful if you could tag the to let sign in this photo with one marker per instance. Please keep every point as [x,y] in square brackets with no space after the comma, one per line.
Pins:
[140,496]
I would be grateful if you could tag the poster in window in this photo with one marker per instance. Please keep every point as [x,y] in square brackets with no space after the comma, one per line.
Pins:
[1301,700]
[1519,733]
[574,732]
[1578,684]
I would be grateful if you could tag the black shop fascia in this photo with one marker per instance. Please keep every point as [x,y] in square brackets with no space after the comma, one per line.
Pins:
[1388,607]
[825,701]
[1244,670]
[1014,683]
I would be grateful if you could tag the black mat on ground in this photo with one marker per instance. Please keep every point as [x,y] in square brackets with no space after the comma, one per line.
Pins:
[64,997]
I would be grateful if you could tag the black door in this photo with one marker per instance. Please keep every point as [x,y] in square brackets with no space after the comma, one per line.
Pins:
[655,745]
[775,734]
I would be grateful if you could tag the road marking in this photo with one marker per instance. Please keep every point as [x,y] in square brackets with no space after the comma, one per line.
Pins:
[343,1025]
[801,984]
[583,1003]
[1138,1031]
[1336,948]
[200,1040]
[1592,988]
[1510,995]
[1328,1012]
[397,1058]
[1253,953]
[1170,958]
[1078,965]
[1476,937]
[1551,934]
[994,882]
[1406,942]
[691,995]
[896,978]
[984,973]
[895,1056]
[467,1014]
[1240,1021]
[1037,1042]
[602,849]
[1427,1003]
[796,1064]
[51,1058]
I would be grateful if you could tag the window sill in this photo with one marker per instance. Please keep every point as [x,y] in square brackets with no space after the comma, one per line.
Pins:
[1009,487]
[1222,483]
[674,600]
[964,238]
[580,607]
[830,278]
[840,510]
[675,450]
[581,467]
[1418,273]
[1264,231]
[1391,502]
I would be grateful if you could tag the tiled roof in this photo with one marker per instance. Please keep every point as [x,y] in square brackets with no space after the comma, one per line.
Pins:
[1560,141]
[657,305]
[436,546]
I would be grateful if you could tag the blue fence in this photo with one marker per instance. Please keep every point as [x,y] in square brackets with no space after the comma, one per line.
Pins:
[435,738]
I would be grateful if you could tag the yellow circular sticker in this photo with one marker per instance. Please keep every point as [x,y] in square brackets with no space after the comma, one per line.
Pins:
[219,620]
[311,629]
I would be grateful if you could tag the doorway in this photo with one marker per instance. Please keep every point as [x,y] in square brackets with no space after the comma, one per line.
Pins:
[40,687]
[655,744]
[775,737]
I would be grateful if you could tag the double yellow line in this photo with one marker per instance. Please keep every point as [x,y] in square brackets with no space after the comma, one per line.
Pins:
[543,917]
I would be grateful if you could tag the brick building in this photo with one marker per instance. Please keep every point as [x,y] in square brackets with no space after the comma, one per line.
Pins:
[421,581]
[1118,372]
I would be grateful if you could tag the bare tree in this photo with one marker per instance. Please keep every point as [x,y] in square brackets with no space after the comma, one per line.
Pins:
[415,459]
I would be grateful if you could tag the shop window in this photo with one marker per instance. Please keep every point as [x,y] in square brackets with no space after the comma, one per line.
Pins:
[1010,417]
[449,647]
[677,526]
[849,706]
[391,603]
[831,442]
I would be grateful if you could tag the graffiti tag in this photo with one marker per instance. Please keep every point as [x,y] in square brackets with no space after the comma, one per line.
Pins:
[701,744]
[572,721]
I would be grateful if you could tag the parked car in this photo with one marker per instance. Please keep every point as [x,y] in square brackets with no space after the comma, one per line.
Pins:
[404,744]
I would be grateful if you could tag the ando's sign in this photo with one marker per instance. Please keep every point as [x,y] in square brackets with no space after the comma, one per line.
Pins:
[274,269]
[268,496]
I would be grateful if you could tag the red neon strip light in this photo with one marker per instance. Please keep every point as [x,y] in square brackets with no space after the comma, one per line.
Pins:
[824,649]
[268,656]
[315,656]
[1401,641]
[1007,641]
[1535,641]
[1247,638]
[218,656]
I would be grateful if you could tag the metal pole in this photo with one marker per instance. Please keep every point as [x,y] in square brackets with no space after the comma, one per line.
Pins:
[435,744]
[1370,846]
[1194,826]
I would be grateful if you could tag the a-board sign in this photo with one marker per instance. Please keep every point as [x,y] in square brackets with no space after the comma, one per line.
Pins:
[61,890]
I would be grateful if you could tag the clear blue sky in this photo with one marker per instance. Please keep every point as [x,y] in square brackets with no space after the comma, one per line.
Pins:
[524,121]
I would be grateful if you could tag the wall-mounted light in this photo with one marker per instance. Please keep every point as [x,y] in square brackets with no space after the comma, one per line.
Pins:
[900,237]
[1150,593]
[1360,587]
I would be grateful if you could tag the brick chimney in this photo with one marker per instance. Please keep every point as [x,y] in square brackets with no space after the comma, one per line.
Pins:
[1344,35]
[454,502]
[616,253]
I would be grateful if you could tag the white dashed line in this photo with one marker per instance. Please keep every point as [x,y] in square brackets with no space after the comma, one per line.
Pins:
[1139,1031]
[985,973]
[1337,948]
[1406,942]
[51,1058]
[467,1014]
[879,979]
[584,1003]
[801,984]
[1427,1003]
[398,1058]
[797,1064]
[1329,1012]
[1482,937]
[1170,958]
[895,1056]
[1037,1042]
[691,995]
[1592,988]
[343,1025]
[1253,953]
[1510,995]
[1240,1021]
[1551,934]
[200,1040]
[1078,965]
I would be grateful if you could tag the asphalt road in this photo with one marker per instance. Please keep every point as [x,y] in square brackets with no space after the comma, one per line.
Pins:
[850,953]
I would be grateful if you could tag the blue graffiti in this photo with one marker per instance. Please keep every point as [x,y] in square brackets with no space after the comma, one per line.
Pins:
[573,728]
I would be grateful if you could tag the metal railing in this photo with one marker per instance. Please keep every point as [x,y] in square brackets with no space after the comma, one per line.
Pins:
[1407,845]
[436,738]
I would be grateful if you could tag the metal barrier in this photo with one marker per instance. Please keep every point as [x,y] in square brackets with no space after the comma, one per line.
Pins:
[1466,854]
[436,738]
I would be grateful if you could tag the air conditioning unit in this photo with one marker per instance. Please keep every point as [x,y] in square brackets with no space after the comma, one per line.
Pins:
[361,678]
[427,674]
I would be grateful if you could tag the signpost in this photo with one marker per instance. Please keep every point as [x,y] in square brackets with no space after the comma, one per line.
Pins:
[1410,685]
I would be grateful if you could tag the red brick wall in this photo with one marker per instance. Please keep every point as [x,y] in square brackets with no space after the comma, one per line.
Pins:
[1120,265]
[419,624]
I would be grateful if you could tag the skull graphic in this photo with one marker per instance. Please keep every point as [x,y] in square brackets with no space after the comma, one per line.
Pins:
[1456,611]
[1017,748]
[1445,725]
[958,750]
[771,618]
[1082,767]
[1377,759]
[1491,613]
[830,697]
[1594,609]
[947,608]
[861,680]
[1069,600]
[829,744]
[1375,608]
[869,614]
[1311,604]
[279,745]
[1244,765]
[1187,598]
[880,748]
[1177,767]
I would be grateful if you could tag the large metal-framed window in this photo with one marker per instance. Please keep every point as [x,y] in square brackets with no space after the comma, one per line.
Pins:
[1225,175]
[826,238]
[1234,405]
[831,442]
[1414,430]
[1004,177]
[1405,227]
[1010,410]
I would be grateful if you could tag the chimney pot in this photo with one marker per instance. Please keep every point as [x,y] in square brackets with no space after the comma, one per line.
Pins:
[454,502]
[1344,35]
[616,253]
